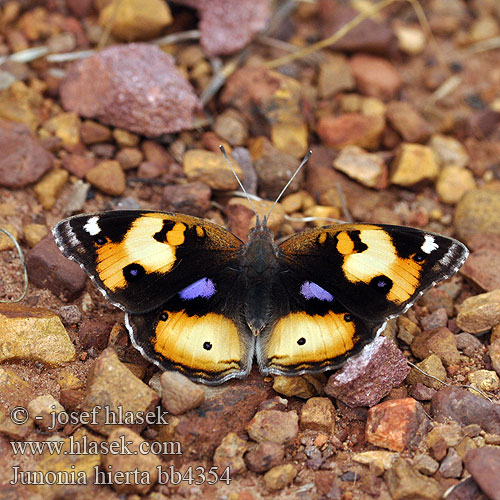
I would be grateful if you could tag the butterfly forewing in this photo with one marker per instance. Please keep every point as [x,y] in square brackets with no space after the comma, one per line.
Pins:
[140,259]
[375,271]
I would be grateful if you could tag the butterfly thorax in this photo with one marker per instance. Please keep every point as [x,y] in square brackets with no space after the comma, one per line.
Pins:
[260,265]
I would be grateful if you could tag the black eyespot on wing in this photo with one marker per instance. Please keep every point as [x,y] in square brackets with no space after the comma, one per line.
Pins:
[207,346]
[347,318]
[163,316]
[100,240]
[301,341]
[133,272]
[382,284]
[419,257]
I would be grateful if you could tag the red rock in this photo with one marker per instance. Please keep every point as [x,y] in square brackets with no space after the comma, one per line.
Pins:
[23,160]
[396,424]
[80,8]
[230,406]
[93,133]
[250,88]
[365,379]
[482,123]
[156,153]
[466,408]
[48,268]
[264,456]
[150,170]
[408,121]
[94,333]
[439,341]
[192,198]
[484,464]
[227,25]
[78,165]
[375,76]
[368,36]
[326,484]
[135,87]
[356,129]
[478,268]
[467,489]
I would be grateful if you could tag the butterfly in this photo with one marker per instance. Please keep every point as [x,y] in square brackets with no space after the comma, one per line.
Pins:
[200,301]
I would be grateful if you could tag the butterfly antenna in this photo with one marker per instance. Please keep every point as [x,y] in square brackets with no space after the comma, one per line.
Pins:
[224,154]
[302,163]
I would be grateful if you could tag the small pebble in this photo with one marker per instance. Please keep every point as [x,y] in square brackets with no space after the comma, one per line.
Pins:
[279,477]
[273,425]
[42,409]
[179,394]
[50,186]
[264,456]
[414,163]
[230,454]
[108,177]
[479,313]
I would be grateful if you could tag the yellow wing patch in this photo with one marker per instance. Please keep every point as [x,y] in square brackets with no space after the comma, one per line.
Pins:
[138,246]
[379,258]
[206,344]
[303,339]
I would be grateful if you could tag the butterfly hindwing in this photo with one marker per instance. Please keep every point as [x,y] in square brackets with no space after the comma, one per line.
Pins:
[199,331]
[139,259]
[375,271]
[312,331]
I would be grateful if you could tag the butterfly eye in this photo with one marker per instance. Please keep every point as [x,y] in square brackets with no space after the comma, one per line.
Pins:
[348,318]
[207,346]
[301,341]
[163,316]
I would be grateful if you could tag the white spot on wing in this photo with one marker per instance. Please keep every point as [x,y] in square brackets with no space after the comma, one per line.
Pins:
[429,244]
[92,226]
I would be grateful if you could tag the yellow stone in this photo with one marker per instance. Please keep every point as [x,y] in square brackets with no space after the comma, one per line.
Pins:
[66,126]
[323,215]
[68,380]
[20,104]
[381,459]
[373,106]
[136,19]
[108,176]
[5,242]
[35,334]
[33,233]
[48,189]
[411,39]
[290,138]
[414,163]
[280,476]
[453,182]
[212,169]
[486,380]
[293,202]
[125,138]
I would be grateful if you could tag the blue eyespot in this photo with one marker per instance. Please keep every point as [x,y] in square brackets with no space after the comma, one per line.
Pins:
[203,289]
[310,290]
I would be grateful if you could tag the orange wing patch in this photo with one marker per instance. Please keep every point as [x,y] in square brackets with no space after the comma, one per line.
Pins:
[204,344]
[302,339]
